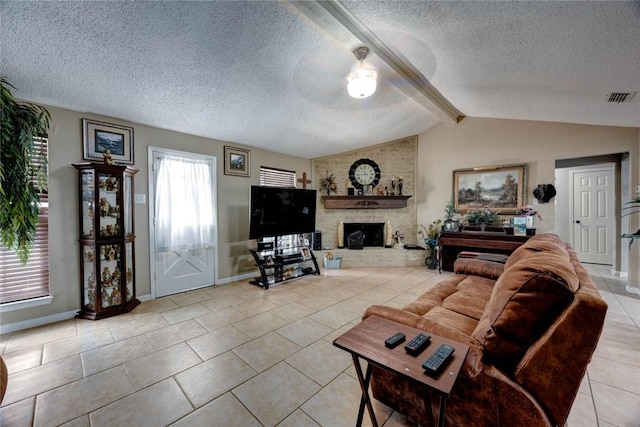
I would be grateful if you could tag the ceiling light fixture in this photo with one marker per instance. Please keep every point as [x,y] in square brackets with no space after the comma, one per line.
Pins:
[361,82]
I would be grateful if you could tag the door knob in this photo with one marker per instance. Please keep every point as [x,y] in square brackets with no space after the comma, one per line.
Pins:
[578,221]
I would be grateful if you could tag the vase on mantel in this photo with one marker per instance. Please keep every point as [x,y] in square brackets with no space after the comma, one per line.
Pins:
[529,221]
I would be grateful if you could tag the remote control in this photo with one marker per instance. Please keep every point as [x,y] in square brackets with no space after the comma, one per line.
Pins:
[417,344]
[437,360]
[393,341]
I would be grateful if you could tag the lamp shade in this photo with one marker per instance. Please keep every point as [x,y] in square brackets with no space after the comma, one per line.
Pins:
[361,83]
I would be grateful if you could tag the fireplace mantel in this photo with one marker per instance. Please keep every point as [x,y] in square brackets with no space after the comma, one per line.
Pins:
[365,202]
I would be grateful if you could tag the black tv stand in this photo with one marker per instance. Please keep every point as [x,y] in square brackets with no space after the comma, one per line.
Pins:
[279,264]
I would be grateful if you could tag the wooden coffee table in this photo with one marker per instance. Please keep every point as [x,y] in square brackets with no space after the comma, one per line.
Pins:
[366,341]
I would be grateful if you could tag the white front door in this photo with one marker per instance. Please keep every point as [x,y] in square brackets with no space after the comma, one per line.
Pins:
[593,211]
[179,270]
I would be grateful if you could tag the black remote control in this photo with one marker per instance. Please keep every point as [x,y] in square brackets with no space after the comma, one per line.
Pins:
[438,359]
[417,344]
[393,341]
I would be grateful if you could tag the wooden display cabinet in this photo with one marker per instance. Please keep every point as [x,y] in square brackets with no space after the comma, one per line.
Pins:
[107,267]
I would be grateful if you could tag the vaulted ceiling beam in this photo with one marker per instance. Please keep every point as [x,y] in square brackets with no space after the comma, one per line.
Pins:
[349,31]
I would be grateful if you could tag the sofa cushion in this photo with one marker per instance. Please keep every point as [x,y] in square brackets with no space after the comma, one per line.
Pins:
[526,299]
[546,242]
[434,296]
[469,301]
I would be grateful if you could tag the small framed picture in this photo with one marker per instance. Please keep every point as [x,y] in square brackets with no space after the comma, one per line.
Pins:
[237,162]
[519,226]
[98,137]
[306,253]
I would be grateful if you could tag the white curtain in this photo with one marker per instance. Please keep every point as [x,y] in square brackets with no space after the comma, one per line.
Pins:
[185,219]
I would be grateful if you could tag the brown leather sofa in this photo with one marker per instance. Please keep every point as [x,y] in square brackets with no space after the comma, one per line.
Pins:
[532,324]
[4,378]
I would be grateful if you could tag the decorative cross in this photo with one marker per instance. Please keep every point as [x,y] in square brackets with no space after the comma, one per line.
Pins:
[304,180]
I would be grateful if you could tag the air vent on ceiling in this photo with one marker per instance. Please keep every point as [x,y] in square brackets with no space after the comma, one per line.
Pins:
[619,97]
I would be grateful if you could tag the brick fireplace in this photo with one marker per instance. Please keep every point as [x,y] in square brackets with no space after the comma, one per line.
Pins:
[396,159]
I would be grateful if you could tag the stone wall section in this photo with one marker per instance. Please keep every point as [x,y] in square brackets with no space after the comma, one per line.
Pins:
[396,159]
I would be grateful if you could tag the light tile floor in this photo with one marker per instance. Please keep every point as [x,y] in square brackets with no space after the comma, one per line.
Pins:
[238,355]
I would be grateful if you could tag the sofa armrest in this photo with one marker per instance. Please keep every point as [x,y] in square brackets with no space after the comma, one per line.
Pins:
[478,267]
[473,363]
[396,314]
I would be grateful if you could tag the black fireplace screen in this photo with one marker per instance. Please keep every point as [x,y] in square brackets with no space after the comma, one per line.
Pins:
[373,232]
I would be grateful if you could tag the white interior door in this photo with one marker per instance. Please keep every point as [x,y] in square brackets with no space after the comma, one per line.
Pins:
[593,211]
[180,269]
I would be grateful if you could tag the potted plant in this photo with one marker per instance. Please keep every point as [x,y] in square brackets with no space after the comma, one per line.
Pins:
[482,216]
[328,184]
[430,236]
[19,177]
[449,212]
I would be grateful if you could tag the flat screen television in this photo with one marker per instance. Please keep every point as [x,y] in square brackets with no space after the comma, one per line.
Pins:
[279,211]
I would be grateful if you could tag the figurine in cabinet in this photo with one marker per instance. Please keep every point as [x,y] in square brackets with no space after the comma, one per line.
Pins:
[104,296]
[105,207]
[116,299]
[112,183]
[91,296]
[88,254]
[91,292]
[106,274]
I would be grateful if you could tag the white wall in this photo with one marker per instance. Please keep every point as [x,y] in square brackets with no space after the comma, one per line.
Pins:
[482,142]
[65,148]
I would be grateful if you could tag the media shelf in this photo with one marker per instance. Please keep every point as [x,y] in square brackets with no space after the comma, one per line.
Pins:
[285,261]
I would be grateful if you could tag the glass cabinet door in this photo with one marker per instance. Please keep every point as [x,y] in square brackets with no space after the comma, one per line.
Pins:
[129,273]
[128,203]
[109,186]
[89,276]
[110,275]
[87,197]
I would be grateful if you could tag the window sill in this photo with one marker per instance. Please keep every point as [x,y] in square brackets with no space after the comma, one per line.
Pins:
[19,305]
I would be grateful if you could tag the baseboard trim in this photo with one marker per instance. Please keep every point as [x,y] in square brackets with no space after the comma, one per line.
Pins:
[144,298]
[45,320]
[39,321]
[632,290]
[244,276]
[619,273]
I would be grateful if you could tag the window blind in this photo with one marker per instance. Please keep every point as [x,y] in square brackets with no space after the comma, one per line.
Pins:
[272,177]
[21,282]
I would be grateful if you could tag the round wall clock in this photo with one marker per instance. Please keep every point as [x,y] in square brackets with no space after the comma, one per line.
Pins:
[364,172]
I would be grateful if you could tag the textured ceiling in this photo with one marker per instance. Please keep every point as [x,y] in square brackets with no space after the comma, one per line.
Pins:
[273,74]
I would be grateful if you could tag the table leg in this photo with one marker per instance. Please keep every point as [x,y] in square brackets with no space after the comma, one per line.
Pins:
[364,386]
[443,409]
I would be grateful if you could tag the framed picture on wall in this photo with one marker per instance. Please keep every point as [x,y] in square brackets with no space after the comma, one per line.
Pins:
[237,161]
[98,137]
[497,188]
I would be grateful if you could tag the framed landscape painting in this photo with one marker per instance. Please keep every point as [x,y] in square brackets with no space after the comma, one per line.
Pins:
[99,137]
[237,161]
[497,188]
